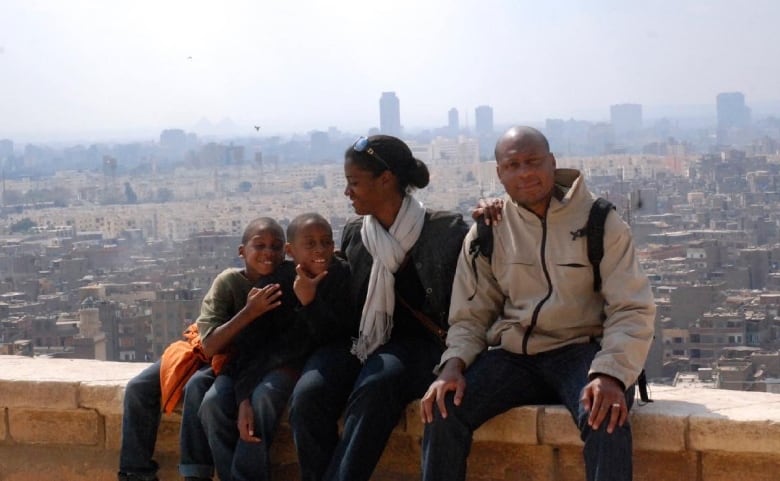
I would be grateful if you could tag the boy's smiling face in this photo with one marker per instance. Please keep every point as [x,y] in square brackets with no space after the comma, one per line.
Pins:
[262,253]
[312,247]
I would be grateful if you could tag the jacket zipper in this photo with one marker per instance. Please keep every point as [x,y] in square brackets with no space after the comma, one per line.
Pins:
[538,307]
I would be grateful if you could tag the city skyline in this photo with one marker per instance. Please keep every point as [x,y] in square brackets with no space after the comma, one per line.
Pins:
[91,70]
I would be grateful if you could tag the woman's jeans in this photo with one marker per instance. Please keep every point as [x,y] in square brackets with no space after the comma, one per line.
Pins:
[372,396]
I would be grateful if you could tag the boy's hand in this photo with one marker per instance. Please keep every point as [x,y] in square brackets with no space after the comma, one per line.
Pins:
[305,286]
[490,209]
[246,422]
[259,301]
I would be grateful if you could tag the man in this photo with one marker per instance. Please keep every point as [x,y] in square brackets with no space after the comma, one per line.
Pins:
[552,337]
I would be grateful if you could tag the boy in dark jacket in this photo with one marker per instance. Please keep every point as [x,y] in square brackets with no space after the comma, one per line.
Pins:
[313,310]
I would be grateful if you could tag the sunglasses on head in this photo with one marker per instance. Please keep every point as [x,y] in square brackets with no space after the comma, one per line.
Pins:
[361,145]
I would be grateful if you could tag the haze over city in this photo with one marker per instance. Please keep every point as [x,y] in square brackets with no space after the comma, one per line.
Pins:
[93,70]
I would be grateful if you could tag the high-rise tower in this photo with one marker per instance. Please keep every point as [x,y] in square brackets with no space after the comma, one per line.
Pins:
[390,114]
[733,116]
[483,120]
[626,119]
[453,126]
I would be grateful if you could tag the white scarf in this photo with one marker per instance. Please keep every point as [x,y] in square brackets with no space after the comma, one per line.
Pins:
[388,248]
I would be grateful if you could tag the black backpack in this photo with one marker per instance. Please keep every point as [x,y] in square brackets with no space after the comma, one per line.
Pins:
[593,231]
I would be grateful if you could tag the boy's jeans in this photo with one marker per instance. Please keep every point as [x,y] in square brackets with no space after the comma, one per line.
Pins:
[141,420]
[194,448]
[237,460]
[499,380]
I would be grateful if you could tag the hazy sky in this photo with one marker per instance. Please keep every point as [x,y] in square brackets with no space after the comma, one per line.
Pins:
[77,67]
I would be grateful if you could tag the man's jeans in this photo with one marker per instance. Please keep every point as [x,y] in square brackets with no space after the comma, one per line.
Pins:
[141,420]
[237,460]
[375,395]
[499,380]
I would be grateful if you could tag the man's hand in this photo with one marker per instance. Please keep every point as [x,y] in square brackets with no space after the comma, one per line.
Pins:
[305,286]
[604,398]
[246,422]
[259,301]
[490,209]
[450,379]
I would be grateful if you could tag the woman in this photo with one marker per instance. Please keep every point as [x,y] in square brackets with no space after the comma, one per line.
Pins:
[402,259]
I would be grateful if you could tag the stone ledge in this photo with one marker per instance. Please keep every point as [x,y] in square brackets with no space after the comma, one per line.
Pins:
[77,403]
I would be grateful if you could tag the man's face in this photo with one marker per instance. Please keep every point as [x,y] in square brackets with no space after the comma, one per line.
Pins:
[527,171]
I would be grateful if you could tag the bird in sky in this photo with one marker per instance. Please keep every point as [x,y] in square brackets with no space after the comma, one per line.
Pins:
[257,128]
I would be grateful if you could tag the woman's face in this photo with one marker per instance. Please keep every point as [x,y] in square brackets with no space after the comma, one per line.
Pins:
[366,190]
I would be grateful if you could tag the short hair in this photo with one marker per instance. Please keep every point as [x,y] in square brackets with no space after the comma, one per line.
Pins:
[523,132]
[261,223]
[302,219]
[412,173]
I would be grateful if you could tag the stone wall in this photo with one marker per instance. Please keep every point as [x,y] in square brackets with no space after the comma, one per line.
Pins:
[60,419]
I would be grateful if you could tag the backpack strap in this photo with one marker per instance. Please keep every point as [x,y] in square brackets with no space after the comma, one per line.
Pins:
[594,232]
[482,244]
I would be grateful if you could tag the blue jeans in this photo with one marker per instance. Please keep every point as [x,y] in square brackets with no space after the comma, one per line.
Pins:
[499,380]
[375,395]
[141,420]
[194,447]
[235,459]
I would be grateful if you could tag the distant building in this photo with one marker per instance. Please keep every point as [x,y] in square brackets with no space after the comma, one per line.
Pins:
[319,144]
[172,311]
[174,140]
[732,111]
[733,117]
[390,114]
[626,119]
[483,120]
[6,149]
[453,125]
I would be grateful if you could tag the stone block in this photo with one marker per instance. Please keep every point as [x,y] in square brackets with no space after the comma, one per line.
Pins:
[718,433]
[517,426]
[557,427]
[658,432]
[568,464]
[283,448]
[168,434]
[49,426]
[39,394]
[739,467]
[656,466]
[105,397]
[28,462]
[401,457]
[491,461]
[414,426]
[113,429]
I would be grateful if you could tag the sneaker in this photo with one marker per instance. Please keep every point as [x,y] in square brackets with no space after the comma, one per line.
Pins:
[136,477]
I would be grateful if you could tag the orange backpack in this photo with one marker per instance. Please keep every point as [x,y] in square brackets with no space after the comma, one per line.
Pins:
[178,363]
